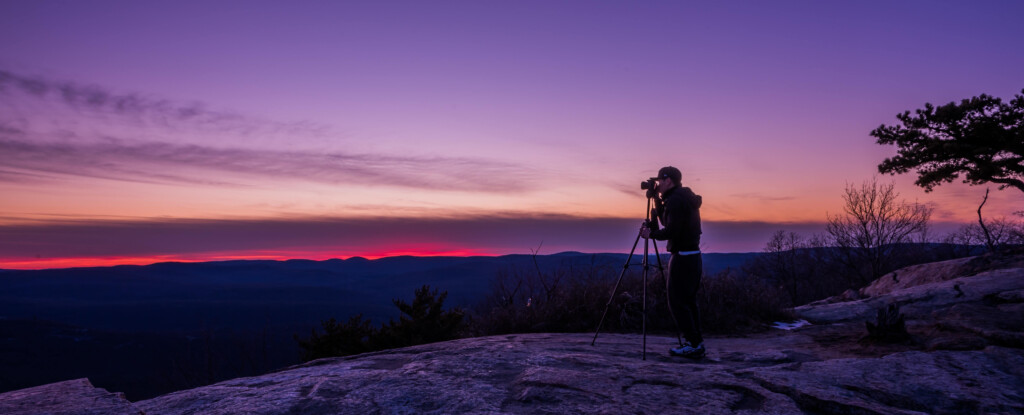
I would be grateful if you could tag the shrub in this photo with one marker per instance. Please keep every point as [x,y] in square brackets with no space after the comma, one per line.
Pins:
[352,337]
[422,321]
[889,326]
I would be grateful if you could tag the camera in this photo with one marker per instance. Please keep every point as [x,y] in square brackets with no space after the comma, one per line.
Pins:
[651,186]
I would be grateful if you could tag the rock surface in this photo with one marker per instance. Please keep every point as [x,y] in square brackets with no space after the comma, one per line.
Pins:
[71,397]
[563,373]
[943,308]
[965,356]
[941,271]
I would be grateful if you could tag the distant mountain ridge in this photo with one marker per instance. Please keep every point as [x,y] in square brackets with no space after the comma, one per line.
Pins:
[130,297]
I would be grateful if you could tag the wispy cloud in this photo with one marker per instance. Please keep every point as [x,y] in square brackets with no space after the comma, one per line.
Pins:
[159,162]
[763,197]
[32,153]
[8,176]
[155,112]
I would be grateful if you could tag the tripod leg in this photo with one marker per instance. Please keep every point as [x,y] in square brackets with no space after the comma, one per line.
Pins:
[647,266]
[679,336]
[614,290]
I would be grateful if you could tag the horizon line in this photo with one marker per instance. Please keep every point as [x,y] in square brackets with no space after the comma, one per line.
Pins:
[107,262]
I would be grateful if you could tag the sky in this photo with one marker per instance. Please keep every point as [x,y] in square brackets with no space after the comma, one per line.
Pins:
[138,132]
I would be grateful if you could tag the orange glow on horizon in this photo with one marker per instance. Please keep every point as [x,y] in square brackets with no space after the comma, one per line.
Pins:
[110,261]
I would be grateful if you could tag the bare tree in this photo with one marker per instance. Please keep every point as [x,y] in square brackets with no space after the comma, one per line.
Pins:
[874,225]
[1002,232]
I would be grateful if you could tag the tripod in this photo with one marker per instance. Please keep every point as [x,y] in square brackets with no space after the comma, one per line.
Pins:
[646,269]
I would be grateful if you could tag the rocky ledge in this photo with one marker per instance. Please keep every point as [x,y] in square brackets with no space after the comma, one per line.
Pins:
[963,355]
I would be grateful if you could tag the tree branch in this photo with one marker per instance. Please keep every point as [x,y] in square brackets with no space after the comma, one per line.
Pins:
[988,236]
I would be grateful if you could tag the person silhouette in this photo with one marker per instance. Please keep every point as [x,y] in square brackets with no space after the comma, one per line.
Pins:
[678,210]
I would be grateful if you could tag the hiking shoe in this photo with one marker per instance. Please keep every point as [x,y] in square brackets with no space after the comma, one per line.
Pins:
[688,350]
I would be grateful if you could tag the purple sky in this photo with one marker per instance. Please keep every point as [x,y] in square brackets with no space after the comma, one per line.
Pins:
[156,129]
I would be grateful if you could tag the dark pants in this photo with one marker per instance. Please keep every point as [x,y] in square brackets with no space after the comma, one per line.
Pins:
[684,273]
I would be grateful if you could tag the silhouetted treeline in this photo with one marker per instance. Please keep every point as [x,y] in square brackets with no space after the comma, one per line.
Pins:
[572,299]
[804,272]
[876,233]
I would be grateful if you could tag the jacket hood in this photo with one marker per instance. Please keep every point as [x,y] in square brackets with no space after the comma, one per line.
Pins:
[695,198]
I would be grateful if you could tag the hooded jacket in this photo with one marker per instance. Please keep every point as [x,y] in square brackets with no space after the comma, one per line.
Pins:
[679,213]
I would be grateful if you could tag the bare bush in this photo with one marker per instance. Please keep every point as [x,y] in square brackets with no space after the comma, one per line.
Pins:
[800,268]
[565,299]
[731,302]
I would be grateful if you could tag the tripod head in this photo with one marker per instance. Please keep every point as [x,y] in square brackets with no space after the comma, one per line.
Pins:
[651,220]
[651,186]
